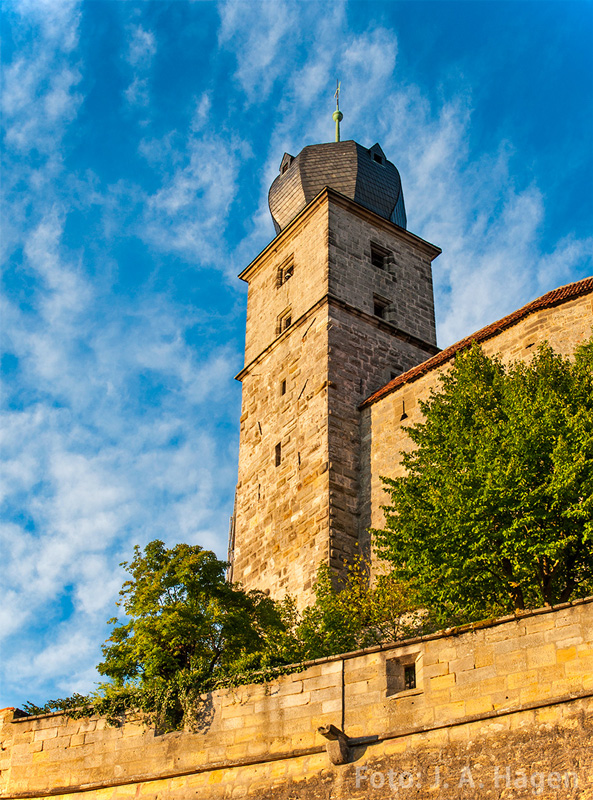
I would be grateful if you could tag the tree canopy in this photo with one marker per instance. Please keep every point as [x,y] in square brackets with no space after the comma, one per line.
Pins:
[187,631]
[183,615]
[495,511]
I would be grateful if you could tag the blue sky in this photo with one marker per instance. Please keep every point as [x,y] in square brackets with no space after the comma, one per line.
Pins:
[140,139]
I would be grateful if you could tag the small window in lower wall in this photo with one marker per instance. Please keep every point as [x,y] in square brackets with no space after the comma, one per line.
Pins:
[283,321]
[403,674]
[278,454]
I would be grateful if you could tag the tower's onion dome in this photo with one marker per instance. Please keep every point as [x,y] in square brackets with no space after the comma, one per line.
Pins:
[364,176]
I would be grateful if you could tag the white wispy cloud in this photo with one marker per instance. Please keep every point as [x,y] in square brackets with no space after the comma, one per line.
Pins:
[142,48]
[93,469]
[39,97]
[262,50]
[189,211]
[109,404]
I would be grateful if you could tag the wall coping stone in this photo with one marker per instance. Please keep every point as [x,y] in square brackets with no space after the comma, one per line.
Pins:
[444,634]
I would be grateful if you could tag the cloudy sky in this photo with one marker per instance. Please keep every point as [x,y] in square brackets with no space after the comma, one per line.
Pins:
[140,139]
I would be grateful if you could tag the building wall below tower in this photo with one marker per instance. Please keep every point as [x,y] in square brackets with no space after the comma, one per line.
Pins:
[383,434]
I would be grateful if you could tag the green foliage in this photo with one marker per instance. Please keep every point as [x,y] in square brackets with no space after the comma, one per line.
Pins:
[183,615]
[356,614]
[188,632]
[495,513]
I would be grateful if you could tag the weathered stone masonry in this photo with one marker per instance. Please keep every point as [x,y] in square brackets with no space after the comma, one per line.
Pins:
[516,693]
[297,501]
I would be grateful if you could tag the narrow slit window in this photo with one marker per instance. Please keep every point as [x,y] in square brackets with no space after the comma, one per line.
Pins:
[410,677]
[284,321]
[283,387]
[285,272]
[278,454]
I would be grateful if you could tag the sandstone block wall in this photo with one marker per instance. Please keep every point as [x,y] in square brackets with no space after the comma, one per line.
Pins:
[282,515]
[405,281]
[306,245]
[500,709]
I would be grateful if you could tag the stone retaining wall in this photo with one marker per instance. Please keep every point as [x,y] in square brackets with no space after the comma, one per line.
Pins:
[501,710]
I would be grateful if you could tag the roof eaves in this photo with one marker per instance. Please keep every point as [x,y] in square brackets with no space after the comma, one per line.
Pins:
[554,298]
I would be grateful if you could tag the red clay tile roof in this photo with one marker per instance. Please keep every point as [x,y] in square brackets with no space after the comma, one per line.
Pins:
[553,298]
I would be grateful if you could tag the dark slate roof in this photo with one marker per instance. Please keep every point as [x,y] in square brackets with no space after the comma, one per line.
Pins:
[346,167]
[549,300]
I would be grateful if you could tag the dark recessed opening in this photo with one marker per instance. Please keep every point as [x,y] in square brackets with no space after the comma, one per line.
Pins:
[380,257]
[410,677]
[380,307]
[283,387]
[284,321]
[377,158]
[285,167]
[278,454]
[285,271]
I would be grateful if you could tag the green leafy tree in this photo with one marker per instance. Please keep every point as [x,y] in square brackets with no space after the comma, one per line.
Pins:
[186,631]
[495,512]
[183,615]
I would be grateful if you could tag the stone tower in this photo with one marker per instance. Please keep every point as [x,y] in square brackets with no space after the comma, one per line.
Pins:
[340,302]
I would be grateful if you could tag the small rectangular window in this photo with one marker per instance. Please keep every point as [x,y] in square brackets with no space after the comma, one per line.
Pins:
[285,272]
[410,677]
[380,257]
[377,158]
[380,306]
[278,454]
[283,387]
[403,674]
[284,321]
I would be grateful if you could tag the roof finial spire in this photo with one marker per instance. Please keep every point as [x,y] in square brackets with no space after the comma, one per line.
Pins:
[337,115]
